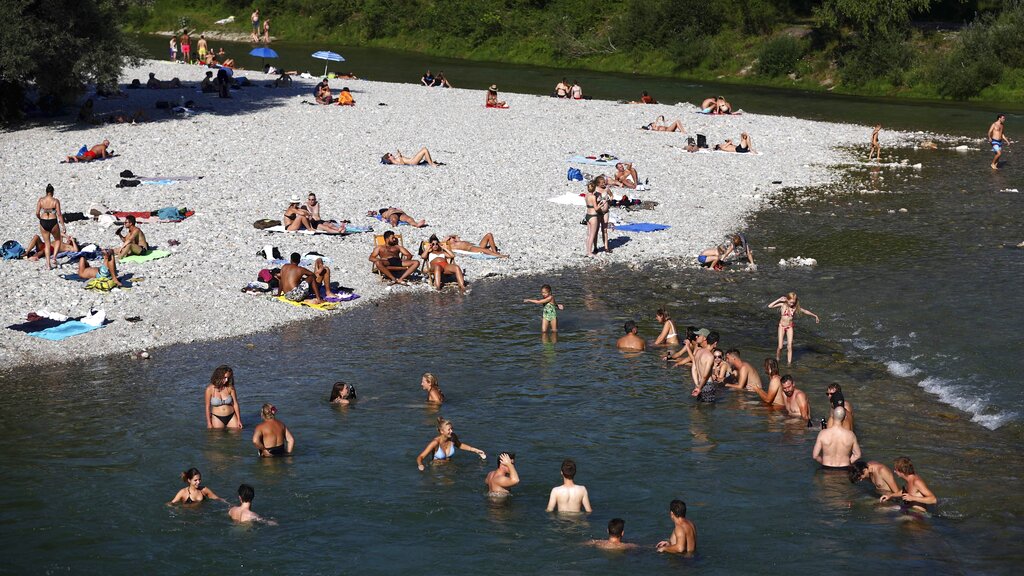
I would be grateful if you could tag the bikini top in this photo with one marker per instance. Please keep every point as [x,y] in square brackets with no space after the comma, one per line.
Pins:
[440,454]
[218,401]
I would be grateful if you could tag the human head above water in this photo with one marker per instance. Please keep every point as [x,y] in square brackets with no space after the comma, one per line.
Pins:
[429,380]
[189,474]
[269,412]
[568,468]
[342,390]
[545,289]
[677,508]
[858,471]
[246,493]
[904,466]
[771,366]
[222,376]
[629,326]
[662,315]
[616,527]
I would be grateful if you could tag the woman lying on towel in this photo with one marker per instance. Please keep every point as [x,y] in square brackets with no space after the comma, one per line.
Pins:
[394,216]
[486,245]
[745,145]
[657,126]
[35,249]
[421,157]
[105,273]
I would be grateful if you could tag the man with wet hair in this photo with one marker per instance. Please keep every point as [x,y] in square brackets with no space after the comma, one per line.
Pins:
[747,377]
[243,513]
[836,447]
[631,342]
[703,362]
[569,497]
[879,474]
[835,397]
[683,539]
[503,477]
[915,492]
[794,400]
[616,529]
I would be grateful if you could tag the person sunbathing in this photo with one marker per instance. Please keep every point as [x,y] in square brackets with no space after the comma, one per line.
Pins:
[726,146]
[133,241]
[295,217]
[722,106]
[345,98]
[394,216]
[492,98]
[106,271]
[35,249]
[746,145]
[486,245]
[393,257]
[158,84]
[441,262]
[97,151]
[299,284]
[625,175]
[657,126]
[312,207]
[421,157]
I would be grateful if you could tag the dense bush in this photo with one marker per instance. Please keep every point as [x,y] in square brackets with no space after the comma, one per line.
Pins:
[779,56]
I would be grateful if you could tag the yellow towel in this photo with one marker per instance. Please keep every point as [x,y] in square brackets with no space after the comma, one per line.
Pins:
[310,303]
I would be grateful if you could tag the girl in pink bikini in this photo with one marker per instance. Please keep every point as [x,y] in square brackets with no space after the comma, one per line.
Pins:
[790,305]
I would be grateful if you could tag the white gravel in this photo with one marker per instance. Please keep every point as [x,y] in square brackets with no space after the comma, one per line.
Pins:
[260,147]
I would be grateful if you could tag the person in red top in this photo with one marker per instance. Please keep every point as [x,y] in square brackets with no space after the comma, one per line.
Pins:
[646,98]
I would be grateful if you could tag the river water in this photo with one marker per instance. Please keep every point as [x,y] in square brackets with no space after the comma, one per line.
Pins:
[920,312]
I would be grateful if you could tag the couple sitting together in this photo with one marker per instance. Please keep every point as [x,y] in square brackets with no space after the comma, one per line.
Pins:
[392,258]
[307,217]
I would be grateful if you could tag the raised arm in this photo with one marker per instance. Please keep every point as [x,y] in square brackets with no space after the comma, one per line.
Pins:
[777,302]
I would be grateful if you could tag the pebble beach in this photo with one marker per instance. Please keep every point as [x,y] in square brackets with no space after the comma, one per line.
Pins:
[264,145]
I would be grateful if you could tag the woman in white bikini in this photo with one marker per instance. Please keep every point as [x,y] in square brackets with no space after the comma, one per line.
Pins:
[668,334]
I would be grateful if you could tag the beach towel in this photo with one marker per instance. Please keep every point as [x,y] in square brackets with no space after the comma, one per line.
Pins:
[147,256]
[148,179]
[309,304]
[89,255]
[152,216]
[280,229]
[475,255]
[36,325]
[126,282]
[379,217]
[96,159]
[157,182]
[642,227]
[569,199]
[594,160]
[65,330]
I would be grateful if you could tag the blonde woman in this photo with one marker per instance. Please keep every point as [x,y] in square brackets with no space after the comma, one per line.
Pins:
[444,444]
[221,401]
[271,437]
[789,305]
[429,384]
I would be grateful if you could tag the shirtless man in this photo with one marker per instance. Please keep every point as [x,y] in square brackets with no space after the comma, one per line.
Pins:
[915,492]
[998,139]
[503,477]
[487,245]
[202,47]
[616,529]
[97,151]
[835,397]
[631,342]
[243,512]
[880,475]
[773,397]
[703,362]
[836,447]
[747,377]
[795,401]
[394,216]
[299,284]
[569,497]
[625,175]
[391,257]
[683,539]
[876,148]
[133,241]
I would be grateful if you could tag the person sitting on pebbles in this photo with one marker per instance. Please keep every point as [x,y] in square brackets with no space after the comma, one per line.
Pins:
[393,257]
[133,241]
[625,176]
[299,284]
[394,216]
[345,98]
[323,93]
[97,151]
[421,157]
[492,98]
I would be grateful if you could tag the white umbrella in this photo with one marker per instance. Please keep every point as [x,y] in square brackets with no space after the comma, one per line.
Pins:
[329,57]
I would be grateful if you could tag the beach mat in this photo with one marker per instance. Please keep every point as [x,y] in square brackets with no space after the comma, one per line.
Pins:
[97,159]
[65,330]
[475,255]
[309,304]
[642,227]
[282,230]
[126,279]
[163,179]
[148,256]
[593,160]
[569,199]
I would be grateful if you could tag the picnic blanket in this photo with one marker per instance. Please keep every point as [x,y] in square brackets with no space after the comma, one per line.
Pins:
[641,227]
[147,256]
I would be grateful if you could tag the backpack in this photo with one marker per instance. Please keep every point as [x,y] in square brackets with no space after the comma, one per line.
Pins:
[702,141]
[11,250]
[574,174]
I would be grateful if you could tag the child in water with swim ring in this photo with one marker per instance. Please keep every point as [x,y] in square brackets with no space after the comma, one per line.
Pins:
[551,308]
[789,305]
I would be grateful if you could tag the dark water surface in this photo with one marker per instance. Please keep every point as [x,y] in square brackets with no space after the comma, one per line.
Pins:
[920,324]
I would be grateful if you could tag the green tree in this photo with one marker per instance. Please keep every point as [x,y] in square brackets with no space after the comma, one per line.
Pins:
[56,47]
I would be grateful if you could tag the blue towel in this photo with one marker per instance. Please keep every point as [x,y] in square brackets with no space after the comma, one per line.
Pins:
[158,182]
[378,217]
[65,330]
[642,227]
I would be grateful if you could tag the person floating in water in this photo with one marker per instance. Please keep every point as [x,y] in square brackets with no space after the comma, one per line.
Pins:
[789,305]
[551,308]
[683,539]
[444,444]
[998,139]
[876,147]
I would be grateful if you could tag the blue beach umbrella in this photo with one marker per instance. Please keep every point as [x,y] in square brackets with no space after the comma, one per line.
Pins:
[328,57]
[263,52]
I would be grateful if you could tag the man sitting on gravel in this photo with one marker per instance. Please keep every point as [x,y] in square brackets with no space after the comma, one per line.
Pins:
[133,241]
[392,257]
[299,284]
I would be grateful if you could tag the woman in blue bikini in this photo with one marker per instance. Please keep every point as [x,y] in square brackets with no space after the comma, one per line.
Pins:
[106,271]
[444,444]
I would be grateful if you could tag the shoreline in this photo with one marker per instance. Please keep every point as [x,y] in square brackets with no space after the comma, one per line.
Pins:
[491,183]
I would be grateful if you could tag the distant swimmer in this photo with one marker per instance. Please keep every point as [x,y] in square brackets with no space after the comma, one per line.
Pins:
[668,334]
[789,305]
[193,491]
[773,396]
[683,539]
[794,400]
[631,342]
[549,317]
[879,474]
[444,444]
[429,384]
[504,477]
[243,512]
[746,377]
[569,497]
[998,139]
[703,363]
[342,393]
[271,437]
[835,397]
[616,530]
[836,447]
[916,492]
[876,148]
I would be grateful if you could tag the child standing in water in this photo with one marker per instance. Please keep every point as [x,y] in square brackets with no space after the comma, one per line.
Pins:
[551,308]
[876,147]
[789,305]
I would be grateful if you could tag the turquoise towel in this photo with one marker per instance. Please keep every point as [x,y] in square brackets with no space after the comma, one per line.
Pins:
[65,330]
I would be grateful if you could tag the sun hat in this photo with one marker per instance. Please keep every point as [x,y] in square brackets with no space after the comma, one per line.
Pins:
[493,88]
[295,199]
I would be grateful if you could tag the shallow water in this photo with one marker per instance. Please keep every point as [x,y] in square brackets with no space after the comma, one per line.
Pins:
[912,304]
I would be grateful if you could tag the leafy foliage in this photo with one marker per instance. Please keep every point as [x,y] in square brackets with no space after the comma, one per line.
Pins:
[779,56]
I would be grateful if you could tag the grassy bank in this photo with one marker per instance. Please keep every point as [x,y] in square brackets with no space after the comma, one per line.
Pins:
[762,43]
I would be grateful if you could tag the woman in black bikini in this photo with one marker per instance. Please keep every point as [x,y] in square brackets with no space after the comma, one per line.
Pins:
[271,437]
[193,491]
[593,216]
[50,217]
[221,401]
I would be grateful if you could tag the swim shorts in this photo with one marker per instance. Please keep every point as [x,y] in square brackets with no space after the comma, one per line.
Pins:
[997,146]
[299,293]
[395,262]
[708,392]
[702,259]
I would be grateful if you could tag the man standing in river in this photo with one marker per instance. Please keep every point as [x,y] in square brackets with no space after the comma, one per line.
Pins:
[998,139]
[795,400]
[703,362]
[836,447]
